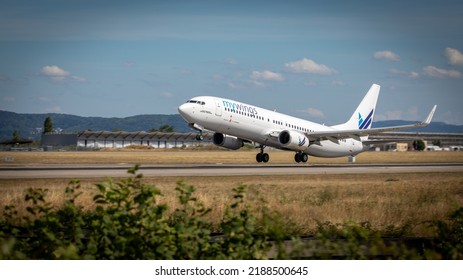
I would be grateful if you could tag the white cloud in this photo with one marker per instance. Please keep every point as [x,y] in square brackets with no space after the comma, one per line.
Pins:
[9,99]
[309,66]
[184,70]
[411,75]
[310,83]
[129,64]
[54,72]
[338,83]
[412,113]
[394,115]
[454,56]
[314,112]
[267,76]
[57,74]
[257,83]
[167,94]
[231,61]
[56,109]
[389,115]
[414,75]
[433,71]
[78,79]
[386,55]
[233,85]
[217,77]
[5,78]
[455,118]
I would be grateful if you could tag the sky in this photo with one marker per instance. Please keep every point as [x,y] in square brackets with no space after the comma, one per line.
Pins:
[310,59]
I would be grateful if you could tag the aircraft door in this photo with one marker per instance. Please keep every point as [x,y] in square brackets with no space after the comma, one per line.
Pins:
[218,108]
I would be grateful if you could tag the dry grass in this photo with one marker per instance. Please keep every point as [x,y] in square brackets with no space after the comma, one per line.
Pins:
[174,156]
[381,199]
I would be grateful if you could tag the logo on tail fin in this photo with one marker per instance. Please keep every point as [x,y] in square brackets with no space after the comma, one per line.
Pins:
[365,124]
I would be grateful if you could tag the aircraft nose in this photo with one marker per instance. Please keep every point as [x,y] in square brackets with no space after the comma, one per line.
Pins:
[182,109]
[185,111]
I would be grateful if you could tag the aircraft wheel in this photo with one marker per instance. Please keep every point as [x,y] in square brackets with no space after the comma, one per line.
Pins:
[304,157]
[259,157]
[265,157]
[199,137]
[297,157]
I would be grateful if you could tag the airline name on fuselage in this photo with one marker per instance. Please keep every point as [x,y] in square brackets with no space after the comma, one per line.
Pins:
[239,107]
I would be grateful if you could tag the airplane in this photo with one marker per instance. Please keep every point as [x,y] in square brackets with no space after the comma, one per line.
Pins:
[235,123]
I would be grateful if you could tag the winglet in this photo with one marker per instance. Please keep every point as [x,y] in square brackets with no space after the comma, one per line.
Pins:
[428,118]
[431,114]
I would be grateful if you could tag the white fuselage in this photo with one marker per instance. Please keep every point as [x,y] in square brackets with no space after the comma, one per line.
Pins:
[262,126]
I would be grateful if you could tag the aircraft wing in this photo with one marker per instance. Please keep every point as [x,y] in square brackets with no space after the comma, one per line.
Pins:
[334,135]
[384,141]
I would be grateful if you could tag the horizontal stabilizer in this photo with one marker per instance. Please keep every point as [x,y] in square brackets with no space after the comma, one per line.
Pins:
[340,134]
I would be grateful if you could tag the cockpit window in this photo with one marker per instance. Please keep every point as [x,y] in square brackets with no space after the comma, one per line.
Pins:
[196,101]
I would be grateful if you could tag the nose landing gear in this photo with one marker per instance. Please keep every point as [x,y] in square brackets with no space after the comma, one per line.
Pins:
[200,137]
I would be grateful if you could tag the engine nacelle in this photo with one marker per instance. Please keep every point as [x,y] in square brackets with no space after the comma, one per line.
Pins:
[293,140]
[228,142]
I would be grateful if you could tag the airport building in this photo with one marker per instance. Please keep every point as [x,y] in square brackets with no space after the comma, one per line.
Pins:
[105,139]
[400,141]
[403,141]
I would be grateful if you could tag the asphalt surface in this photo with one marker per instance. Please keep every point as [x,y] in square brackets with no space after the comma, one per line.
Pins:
[120,170]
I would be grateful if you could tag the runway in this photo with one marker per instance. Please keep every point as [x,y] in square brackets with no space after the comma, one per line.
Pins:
[187,170]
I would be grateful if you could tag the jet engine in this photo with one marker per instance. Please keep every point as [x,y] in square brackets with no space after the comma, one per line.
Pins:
[293,140]
[228,142]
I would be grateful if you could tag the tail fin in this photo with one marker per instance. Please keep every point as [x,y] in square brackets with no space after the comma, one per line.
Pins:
[362,117]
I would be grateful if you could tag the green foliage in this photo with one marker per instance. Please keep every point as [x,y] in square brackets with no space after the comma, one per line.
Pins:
[48,125]
[163,128]
[419,145]
[16,136]
[25,123]
[436,143]
[128,222]
[449,241]
[360,241]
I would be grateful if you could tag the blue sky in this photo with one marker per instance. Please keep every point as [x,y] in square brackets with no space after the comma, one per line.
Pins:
[312,59]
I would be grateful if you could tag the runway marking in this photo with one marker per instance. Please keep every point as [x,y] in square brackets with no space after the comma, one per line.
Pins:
[187,170]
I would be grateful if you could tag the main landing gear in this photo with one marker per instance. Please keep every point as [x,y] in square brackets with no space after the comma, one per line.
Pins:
[301,157]
[262,157]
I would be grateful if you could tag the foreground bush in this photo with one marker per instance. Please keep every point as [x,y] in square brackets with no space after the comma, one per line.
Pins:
[128,222]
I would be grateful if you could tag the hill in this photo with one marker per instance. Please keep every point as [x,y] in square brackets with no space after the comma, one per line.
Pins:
[438,127]
[30,125]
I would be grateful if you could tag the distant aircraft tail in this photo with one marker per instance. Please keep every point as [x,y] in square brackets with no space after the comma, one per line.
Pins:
[362,118]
